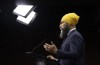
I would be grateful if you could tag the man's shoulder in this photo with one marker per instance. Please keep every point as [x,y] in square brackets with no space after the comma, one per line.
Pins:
[76,33]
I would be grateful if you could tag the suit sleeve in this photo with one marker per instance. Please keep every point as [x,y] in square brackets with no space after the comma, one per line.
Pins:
[76,45]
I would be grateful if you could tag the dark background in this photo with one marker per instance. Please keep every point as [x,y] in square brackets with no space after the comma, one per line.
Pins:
[16,39]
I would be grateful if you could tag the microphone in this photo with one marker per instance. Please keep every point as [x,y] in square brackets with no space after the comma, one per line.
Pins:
[36,47]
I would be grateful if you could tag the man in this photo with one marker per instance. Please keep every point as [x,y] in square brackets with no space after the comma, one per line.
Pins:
[72,48]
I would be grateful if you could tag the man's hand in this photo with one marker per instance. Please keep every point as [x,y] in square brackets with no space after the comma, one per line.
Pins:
[52,58]
[50,47]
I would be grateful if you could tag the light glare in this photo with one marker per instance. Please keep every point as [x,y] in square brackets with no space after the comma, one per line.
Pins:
[28,19]
[22,9]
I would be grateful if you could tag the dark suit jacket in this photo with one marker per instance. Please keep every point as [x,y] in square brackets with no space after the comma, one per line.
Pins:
[72,50]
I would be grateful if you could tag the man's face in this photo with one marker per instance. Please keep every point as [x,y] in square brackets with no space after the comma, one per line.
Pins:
[64,27]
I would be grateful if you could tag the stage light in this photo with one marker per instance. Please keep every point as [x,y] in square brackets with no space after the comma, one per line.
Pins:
[25,13]
[28,19]
[22,10]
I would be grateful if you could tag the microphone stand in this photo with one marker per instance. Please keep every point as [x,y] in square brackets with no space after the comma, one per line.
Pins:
[35,54]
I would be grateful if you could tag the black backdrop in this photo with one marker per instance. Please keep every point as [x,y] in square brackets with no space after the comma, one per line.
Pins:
[17,38]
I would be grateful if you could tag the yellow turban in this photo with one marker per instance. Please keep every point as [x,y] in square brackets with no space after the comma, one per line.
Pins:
[70,18]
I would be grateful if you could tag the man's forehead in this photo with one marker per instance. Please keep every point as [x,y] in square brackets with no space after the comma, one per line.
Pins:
[63,22]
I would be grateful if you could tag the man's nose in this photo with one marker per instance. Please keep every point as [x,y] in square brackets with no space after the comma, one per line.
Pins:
[60,26]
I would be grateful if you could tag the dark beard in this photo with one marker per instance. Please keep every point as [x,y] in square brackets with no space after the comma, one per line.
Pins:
[63,33]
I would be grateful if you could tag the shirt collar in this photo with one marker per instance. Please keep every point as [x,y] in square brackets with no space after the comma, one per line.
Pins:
[71,30]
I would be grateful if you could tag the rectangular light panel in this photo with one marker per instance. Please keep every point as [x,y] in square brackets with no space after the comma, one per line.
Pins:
[22,9]
[28,19]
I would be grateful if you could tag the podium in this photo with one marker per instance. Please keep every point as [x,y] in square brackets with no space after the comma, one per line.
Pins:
[39,59]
